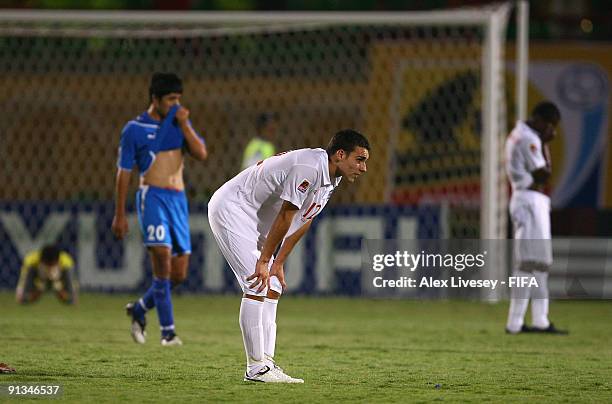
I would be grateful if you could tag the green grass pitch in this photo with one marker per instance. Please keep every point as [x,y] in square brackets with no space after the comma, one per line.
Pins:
[356,350]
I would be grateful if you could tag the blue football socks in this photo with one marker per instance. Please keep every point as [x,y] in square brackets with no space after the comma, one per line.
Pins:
[148,300]
[163,303]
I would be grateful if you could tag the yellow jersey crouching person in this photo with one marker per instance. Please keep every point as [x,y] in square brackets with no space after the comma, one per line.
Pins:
[48,268]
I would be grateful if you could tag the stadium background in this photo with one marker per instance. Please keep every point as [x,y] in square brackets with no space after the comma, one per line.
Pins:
[66,100]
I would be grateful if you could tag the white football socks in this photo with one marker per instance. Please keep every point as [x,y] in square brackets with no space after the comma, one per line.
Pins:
[518,306]
[269,326]
[539,301]
[252,333]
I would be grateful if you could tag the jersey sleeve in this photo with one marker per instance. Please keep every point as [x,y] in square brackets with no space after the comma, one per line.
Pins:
[127,149]
[31,260]
[66,261]
[23,275]
[299,183]
[532,152]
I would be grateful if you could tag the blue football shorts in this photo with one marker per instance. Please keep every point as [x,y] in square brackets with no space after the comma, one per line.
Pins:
[164,218]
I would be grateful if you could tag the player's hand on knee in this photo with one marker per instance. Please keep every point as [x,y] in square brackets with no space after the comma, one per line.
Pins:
[120,226]
[260,276]
[279,271]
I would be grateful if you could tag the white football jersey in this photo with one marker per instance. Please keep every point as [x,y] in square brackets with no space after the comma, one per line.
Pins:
[523,155]
[252,199]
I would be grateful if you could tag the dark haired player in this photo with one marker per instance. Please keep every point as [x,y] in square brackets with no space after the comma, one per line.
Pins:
[268,205]
[528,167]
[154,142]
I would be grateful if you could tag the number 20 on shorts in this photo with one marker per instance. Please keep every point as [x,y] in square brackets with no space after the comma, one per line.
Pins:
[156,232]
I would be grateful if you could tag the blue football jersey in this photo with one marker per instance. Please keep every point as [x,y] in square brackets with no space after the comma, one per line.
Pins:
[143,137]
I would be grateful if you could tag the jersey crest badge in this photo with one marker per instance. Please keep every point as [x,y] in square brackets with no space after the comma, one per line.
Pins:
[533,148]
[303,186]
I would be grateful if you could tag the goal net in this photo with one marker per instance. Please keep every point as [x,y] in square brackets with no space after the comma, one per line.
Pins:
[427,89]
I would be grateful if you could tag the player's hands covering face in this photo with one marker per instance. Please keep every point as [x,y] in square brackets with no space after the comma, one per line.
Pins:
[182,115]
[546,152]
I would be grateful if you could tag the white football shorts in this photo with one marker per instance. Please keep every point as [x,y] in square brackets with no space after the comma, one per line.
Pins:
[240,252]
[530,212]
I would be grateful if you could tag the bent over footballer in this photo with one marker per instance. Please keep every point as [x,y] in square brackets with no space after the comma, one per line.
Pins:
[272,204]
